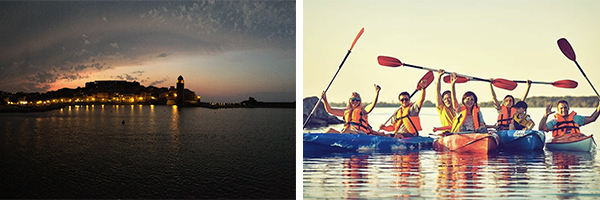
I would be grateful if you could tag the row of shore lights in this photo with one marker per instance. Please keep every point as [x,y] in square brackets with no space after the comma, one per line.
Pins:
[130,100]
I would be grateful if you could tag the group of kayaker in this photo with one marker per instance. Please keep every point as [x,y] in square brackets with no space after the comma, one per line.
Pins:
[456,118]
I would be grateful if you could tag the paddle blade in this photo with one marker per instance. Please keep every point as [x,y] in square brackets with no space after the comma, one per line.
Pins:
[566,48]
[460,79]
[565,84]
[356,39]
[388,61]
[504,84]
[427,77]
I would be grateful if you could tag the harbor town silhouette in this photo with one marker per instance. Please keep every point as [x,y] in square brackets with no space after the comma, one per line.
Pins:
[120,92]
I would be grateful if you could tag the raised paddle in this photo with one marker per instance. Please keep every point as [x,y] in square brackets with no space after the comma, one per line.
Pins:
[561,83]
[428,77]
[394,62]
[336,73]
[566,49]
[498,82]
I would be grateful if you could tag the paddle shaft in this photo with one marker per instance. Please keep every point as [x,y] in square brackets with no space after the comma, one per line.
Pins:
[446,72]
[586,78]
[321,98]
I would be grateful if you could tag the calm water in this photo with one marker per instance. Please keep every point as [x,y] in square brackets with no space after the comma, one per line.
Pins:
[160,152]
[446,175]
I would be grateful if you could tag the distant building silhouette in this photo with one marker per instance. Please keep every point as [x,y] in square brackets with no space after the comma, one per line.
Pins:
[180,96]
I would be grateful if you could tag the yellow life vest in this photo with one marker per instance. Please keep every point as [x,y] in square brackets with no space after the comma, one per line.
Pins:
[520,123]
[446,115]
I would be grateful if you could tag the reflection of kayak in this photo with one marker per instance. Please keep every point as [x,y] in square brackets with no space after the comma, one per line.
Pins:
[572,142]
[333,142]
[467,142]
[518,140]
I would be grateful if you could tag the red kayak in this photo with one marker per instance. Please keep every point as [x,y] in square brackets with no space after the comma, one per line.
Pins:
[467,142]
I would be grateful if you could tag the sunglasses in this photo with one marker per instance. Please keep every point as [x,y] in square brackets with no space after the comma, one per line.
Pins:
[404,99]
[355,99]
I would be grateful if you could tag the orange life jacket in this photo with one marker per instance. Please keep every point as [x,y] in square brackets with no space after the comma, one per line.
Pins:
[460,120]
[356,119]
[505,116]
[565,126]
[411,123]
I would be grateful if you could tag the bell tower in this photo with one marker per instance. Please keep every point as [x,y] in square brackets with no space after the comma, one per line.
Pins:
[179,98]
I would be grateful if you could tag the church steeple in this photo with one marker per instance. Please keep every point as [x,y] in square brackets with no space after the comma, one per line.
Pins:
[179,98]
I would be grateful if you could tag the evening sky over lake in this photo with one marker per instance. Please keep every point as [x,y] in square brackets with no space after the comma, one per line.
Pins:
[225,50]
[488,39]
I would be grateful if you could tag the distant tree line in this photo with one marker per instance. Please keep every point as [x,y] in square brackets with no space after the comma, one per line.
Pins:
[580,102]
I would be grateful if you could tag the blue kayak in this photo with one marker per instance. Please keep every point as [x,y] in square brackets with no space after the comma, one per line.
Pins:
[319,143]
[521,140]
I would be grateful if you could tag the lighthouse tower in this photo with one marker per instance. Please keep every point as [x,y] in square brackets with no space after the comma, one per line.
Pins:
[179,98]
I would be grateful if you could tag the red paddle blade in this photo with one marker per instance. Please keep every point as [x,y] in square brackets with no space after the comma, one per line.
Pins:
[504,84]
[566,48]
[460,79]
[427,77]
[388,61]
[356,39]
[565,84]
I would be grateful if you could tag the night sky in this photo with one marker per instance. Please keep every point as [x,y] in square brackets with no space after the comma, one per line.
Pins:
[225,50]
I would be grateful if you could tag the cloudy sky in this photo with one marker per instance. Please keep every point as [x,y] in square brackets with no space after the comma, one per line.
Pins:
[488,39]
[225,50]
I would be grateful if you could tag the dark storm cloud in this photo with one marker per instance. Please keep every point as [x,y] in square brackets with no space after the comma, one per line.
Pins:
[45,42]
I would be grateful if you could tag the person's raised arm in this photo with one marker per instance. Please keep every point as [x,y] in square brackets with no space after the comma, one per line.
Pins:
[526,91]
[453,92]
[370,107]
[438,95]
[544,119]
[333,111]
[494,99]
[423,83]
[593,117]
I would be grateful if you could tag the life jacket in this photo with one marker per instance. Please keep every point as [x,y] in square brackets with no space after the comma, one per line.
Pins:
[520,123]
[411,123]
[460,119]
[446,115]
[355,119]
[565,126]
[505,117]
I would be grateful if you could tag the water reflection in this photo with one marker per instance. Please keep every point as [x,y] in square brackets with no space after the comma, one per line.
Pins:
[355,174]
[175,144]
[407,170]
[460,174]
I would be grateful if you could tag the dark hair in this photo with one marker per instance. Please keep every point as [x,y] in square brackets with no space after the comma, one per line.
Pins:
[510,97]
[469,93]
[446,92]
[404,93]
[520,104]
[562,101]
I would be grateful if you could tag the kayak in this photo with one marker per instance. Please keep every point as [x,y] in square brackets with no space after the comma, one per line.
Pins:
[572,142]
[521,140]
[335,142]
[467,142]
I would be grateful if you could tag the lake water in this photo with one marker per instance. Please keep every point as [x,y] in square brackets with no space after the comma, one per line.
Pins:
[429,174]
[159,152]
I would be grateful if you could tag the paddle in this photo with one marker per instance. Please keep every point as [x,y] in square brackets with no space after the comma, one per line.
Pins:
[498,82]
[566,49]
[394,62]
[561,83]
[428,77]
[336,73]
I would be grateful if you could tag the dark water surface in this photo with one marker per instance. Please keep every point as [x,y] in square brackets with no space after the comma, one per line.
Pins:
[160,152]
